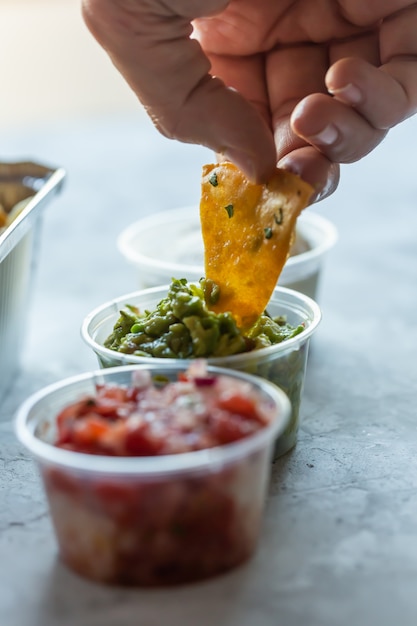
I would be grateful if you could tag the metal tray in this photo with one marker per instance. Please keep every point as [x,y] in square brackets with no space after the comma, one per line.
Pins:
[32,186]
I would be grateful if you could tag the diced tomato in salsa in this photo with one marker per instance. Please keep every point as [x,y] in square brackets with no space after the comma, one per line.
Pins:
[189,414]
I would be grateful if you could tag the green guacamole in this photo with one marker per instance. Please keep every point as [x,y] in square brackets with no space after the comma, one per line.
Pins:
[181,326]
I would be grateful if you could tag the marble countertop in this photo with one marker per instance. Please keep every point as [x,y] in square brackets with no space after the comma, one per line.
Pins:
[339,540]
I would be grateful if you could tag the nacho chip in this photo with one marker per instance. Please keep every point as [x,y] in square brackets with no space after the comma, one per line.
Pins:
[247,232]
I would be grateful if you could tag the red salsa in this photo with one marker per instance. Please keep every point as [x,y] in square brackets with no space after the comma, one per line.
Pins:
[169,528]
[196,412]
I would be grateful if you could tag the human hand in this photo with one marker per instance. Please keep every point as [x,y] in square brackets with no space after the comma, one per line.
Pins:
[305,84]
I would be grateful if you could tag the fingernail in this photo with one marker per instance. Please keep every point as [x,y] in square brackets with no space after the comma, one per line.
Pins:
[243,161]
[349,94]
[287,163]
[326,137]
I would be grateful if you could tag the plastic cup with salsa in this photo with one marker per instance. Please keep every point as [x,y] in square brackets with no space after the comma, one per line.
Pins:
[158,518]
[284,364]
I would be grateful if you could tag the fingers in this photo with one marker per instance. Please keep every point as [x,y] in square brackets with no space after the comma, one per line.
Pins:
[369,97]
[167,69]
[383,95]
[247,75]
[370,12]
[291,74]
[399,57]
[338,131]
[314,168]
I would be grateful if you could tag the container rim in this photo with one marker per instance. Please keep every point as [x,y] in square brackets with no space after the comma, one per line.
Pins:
[157,466]
[287,296]
[11,236]
[177,215]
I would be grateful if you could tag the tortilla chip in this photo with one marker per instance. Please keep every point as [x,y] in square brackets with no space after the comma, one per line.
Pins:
[247,232]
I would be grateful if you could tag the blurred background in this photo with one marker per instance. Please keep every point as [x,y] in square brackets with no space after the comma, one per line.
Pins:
[51,67]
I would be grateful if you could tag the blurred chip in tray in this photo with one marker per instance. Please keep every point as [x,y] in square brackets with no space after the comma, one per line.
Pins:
[25,189]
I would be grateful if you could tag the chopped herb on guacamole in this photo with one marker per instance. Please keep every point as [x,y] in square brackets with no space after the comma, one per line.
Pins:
[181,326]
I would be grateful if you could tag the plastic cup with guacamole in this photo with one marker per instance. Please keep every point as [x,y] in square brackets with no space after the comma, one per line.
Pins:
[283,363]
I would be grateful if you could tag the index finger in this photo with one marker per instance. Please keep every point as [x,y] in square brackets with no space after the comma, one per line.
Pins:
[291,74]
[151,46]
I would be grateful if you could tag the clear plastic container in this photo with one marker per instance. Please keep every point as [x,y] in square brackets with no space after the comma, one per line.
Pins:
[152,521]
[179,251]
[283,364]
